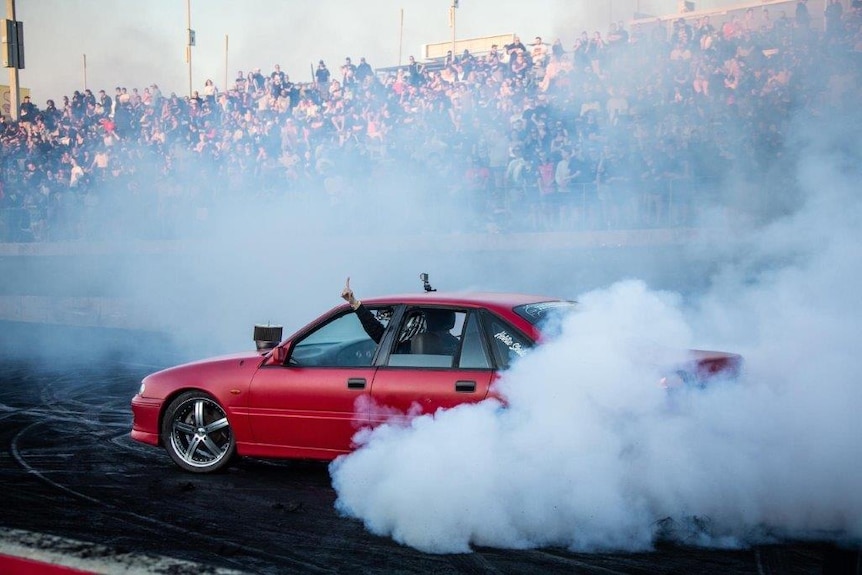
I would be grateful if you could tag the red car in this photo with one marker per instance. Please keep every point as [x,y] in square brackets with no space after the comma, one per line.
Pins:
[307,396]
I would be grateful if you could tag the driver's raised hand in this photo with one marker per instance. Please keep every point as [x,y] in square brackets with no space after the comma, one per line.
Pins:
[347,295]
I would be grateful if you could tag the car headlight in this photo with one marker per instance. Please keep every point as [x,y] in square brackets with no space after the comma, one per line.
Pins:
[672,381]
[143,388]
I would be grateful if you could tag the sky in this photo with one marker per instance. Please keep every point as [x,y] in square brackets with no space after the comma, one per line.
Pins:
[109,43]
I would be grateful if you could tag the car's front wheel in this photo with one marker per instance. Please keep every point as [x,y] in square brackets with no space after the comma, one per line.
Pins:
[196,433]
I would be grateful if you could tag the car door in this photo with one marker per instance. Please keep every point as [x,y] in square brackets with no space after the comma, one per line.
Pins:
[313,405]
[413,383]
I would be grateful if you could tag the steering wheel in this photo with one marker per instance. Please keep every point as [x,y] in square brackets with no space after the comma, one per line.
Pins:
[356,354]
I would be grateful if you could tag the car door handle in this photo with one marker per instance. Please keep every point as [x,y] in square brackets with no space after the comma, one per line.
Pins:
[465,386]
[356,383]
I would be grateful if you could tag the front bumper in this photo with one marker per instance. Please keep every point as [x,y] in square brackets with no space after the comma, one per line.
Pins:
[145,422]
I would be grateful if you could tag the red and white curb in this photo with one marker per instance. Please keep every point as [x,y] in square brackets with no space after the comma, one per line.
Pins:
[28,553]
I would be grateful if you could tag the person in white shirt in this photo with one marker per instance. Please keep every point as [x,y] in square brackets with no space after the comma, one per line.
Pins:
[539,52]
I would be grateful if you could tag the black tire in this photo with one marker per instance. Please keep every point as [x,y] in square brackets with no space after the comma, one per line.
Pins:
[196,433]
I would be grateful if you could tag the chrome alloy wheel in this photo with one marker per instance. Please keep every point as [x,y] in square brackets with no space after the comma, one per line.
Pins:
[200,435]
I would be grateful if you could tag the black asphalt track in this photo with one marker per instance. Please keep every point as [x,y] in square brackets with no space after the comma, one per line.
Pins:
[68,468]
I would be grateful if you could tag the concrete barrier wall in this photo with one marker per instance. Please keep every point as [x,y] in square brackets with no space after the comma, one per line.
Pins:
[74,283]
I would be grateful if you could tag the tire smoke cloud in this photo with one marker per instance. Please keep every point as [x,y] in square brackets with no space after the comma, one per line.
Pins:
[592,455]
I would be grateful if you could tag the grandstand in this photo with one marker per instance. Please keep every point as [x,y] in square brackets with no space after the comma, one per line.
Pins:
[654,124]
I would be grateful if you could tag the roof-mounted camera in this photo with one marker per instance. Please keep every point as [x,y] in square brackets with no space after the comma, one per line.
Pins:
[425,284]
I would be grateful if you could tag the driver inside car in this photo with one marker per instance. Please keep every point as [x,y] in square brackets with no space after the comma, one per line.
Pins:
[434,339]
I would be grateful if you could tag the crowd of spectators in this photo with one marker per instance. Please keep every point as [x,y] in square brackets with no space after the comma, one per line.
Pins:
[629,128]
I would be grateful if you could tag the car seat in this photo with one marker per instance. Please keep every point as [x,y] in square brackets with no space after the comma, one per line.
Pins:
[436,339]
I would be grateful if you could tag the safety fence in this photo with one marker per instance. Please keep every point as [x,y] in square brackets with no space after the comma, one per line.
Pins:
[586,206]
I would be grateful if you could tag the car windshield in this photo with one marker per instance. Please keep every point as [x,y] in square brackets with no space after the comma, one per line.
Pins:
[546,315]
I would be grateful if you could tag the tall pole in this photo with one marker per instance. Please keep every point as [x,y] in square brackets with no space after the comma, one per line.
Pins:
[189,41]
[13,71]
[454,9]
[400,36]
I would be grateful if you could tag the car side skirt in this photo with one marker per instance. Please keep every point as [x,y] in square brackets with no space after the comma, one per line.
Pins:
[266,451]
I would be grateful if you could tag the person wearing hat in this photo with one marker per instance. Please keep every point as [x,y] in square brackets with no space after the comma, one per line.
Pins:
[27,111]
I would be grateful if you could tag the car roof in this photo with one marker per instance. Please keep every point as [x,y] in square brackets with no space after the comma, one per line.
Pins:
[469,299]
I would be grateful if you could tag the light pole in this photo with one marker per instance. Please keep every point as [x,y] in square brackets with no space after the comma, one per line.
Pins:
[14,44]
[400,36]
[190,41]
[225,62]
[452,10]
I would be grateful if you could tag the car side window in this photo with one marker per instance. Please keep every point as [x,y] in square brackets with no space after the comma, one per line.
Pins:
[341,342]
[507,343]
[473,353]
[428,337]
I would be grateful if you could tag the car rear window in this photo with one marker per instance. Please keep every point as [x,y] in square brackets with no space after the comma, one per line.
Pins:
[546,315]
[541,312]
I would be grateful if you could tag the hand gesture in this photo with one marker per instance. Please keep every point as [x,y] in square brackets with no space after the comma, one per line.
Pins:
[347,293]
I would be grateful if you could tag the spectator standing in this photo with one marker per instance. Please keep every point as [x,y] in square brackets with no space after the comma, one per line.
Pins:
[414,72]
[513,47]
[565,175]
[803,17]
[51,116]
[321,77]
[581,52]
[832,14]
[76,174]
[240,83]
[748,24]
[210,92]
[614,39]
[493,56]
[596,49]
[539,53]
[156,96]
[348,73]
[703,33]
[624,34]
[258,82]
[544,216]
[609,183]
[765,20]
[363,71]
[477,183]
[147,98]
[107,103]
[100,164]
[27,112]
[78,106]
[731,30]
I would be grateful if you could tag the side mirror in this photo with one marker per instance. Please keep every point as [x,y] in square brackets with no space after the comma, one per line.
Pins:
[278,355]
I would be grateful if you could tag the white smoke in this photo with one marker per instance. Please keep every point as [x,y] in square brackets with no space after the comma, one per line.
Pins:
[591,454]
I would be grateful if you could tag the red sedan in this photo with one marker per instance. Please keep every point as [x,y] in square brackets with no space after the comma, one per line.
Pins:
[307,396]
